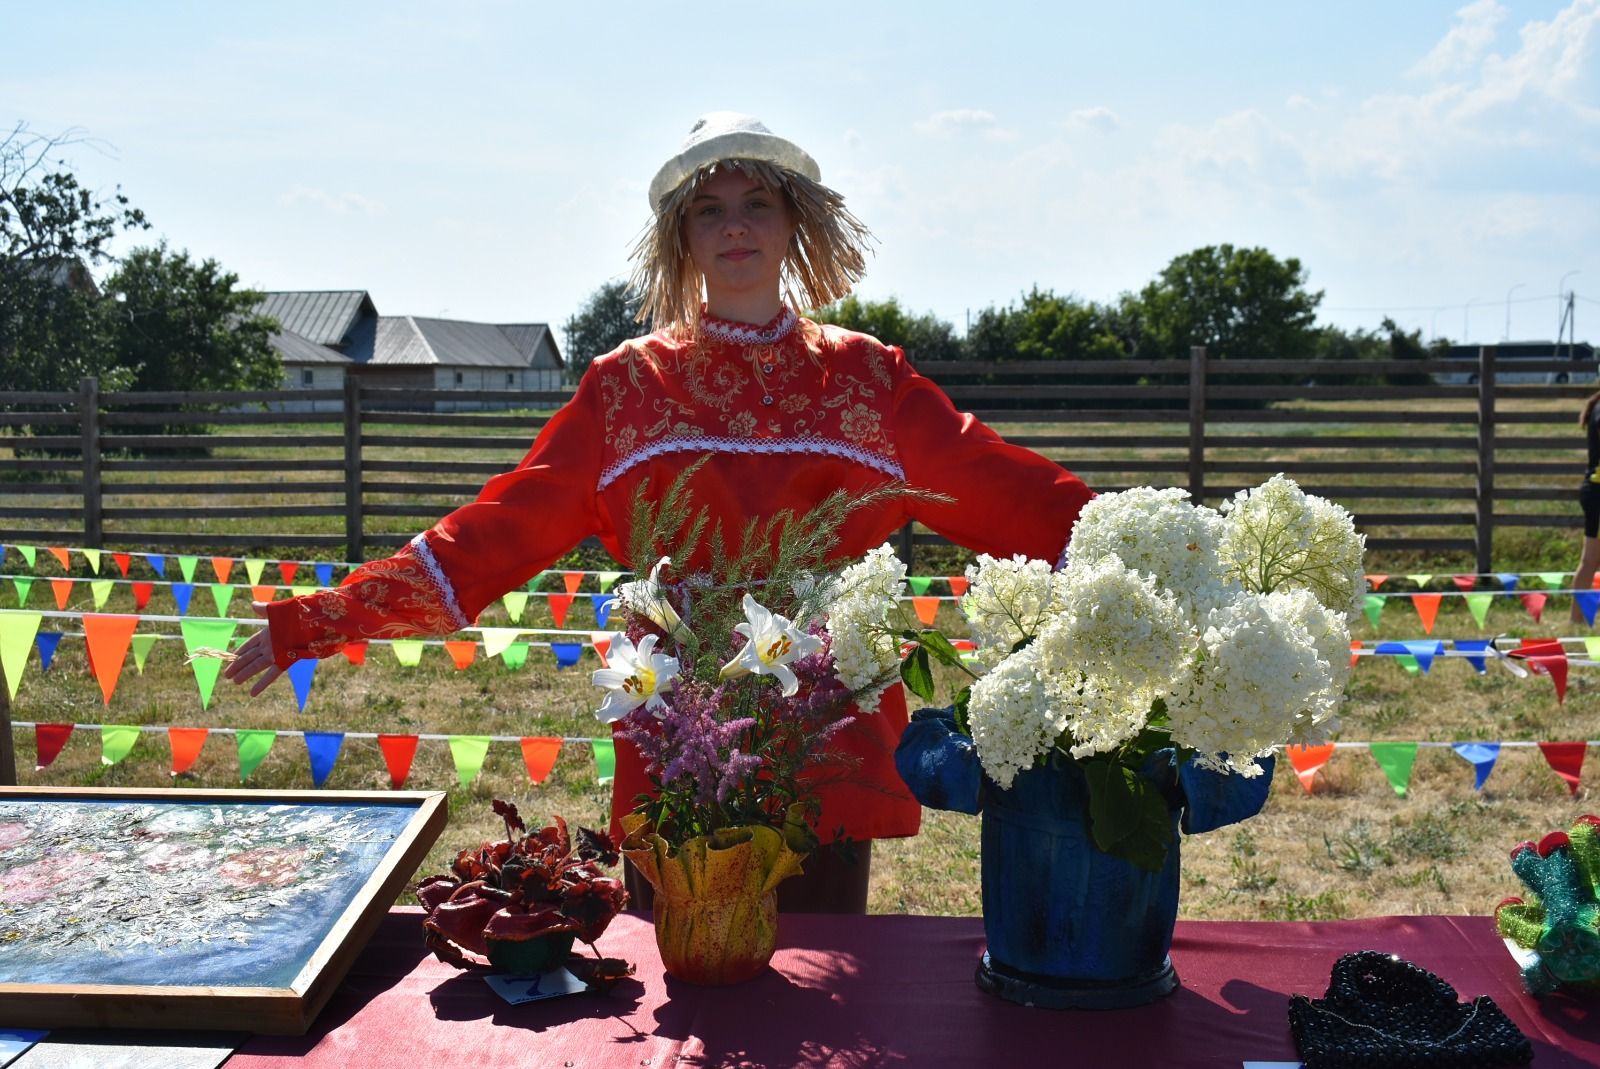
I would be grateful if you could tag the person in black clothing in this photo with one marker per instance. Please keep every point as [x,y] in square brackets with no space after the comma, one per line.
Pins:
[1589,498]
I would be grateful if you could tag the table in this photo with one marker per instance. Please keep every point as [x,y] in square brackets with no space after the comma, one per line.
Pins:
[893,991]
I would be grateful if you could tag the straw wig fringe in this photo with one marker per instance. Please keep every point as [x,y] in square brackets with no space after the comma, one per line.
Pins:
[826,257]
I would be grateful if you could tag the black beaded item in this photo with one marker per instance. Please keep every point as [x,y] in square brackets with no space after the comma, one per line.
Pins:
[1382,1012]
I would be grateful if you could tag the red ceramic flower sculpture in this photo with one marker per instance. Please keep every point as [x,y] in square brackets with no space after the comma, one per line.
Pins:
[522,901]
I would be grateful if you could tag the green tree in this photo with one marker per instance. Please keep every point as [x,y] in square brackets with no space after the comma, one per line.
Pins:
[53,330]
[1238,303]
[924,337]
[1047,326]
[182,325]
[605,321]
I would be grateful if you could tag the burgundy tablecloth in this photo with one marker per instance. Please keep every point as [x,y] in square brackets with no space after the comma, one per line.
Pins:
[893,991]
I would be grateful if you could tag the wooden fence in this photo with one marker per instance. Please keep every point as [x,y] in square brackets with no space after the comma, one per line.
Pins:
[1428,466]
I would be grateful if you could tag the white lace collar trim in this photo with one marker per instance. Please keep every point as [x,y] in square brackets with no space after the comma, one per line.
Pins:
[725,330]
[716,444]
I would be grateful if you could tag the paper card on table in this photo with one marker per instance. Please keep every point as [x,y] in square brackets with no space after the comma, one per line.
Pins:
[559,604]
[13,1041]
[122,560]
[468,752]
[322,747]
[17,631]
[540,754]
[223,566]
[116,740]
[408,651]
[515,602]
[186,744]
[254,745]
[301,673]
[1274,1065]
[142,645]
[48,739]
[515,655]
[1481,756]
[462,652]
[78,1049]
[519,989]
[398,753]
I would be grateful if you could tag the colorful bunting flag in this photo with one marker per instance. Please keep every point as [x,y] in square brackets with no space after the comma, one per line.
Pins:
[100,590]
[24,588]
[496,639]
[158,563]
[187,565]
[602,607]
[301,673]
[515,602]
[468,752]
[1427,606]
[398,753]
[17,631]
[222,596]
[1554,580]
[608,580]
[958,584]
[121,560]
[253,569]
[572,580]
[287,570]
[47,641]
[29,554]
[142,645]
[1566,760]
[302,591]
[323,749]
[1546,656]
[515,655]
[254,746]
[1481,756]
[63,592]
[408,651]
[559,604]
[355,652]
[1396,759]
[108,638]
[263,593]
[1424,652]
[60,554]
[927,609]
[116,740]
[462,652]
[223,566]
[186,744]
[206,635]
[919,584]
[1508,580]
[142,589]
[1373,607]
[1465,583]
[539,755]
[93,557]
[324,574]
[48,739]
[1587,601]
[181,595]
[1535,603]
[1591,646]
[605,760]
[1420,580]
[1308,760]
[567,653]
[1471,645]
[601,641]
[1478,606]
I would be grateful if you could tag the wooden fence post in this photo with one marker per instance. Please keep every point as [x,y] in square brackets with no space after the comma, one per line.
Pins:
[352,468]
[1197,423]
[89,423]
[1484,538]
[908,545]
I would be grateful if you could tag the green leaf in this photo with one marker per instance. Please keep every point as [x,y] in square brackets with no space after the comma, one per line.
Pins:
[963,697]
[936,644]
[917,674]
[1128,817]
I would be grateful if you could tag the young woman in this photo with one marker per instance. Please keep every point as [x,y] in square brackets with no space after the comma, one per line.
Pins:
[788,411]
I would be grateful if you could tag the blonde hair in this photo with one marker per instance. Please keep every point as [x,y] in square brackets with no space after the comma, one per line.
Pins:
[826,256]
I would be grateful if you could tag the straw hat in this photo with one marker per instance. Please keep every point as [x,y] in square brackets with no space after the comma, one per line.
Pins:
[729,135]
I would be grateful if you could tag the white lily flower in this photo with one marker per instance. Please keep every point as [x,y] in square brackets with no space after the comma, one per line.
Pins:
[646,598]
[775,642]
[636,676]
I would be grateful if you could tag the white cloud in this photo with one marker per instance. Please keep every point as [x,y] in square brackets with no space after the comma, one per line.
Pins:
[1472,35]
[1096,118]
[338,203]
[964,120]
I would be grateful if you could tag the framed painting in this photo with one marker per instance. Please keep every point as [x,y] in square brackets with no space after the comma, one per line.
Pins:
[238,910]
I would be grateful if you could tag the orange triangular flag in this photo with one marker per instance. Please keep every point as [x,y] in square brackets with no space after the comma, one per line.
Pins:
[141,593]
[223,566]
[1534,603]
[186,743]
[958,584]
[1427,608]
[559,604]
[1566,760]
[573,580]
[61,555]
[926,608]
[122,560]
[1465,583]
[63,590]
[1546,656]
[398,753]
[1307,760]
[1355,645]
[461,651]
[540,757]
[355,652]
[602,645]
[287,568]
[1375,581]
[263,593]
[108,638]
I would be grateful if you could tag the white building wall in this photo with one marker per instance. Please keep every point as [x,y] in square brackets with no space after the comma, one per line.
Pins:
[322,377]
[491,379]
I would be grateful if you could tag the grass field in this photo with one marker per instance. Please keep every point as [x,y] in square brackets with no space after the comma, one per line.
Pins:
[1351,849]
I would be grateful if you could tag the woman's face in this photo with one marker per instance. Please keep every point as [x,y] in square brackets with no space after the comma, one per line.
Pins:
[738,232]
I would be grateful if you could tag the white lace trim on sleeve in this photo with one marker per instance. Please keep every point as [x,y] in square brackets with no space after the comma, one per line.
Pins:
[447,593]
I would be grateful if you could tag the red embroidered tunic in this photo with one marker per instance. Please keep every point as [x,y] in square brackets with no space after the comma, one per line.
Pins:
[788,412]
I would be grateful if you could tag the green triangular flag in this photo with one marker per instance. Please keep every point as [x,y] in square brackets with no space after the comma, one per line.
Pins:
[1420,580]
[16,639]
[408,651]
[116,740]
[607,579]
[468,752]
[206,634]
[1478,606]
[101,589]
[515,602]
[919,584]
[515,655]
[536,581]
[253,749]
[93,557]
[605,760]
[302,591]
[1374,607]
[1408,662]
[28,553]
[253,568]
[1591,645]
[222,594]
[1396,759]
[1554,580]
[141,650]
[187,566]
[24,588]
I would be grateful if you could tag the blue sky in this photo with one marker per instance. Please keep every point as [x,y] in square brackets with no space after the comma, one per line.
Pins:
[490,160]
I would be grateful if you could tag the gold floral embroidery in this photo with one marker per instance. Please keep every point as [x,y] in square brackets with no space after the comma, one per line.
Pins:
[625,440]
[794,402]
[860,424]
[744,424]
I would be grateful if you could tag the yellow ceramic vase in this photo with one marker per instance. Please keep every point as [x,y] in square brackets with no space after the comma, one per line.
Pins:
[716,899]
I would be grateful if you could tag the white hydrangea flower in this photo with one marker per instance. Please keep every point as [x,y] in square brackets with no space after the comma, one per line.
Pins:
[1277,536]
[1259,670]
[1100,714]
[1007,600]
[1159,533]
[1112,623]
[865,649]
[1329,634]
[1014,721]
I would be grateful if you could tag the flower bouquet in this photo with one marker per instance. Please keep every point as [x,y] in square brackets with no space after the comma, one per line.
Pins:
[1140,689]
[522,901]
[729,683]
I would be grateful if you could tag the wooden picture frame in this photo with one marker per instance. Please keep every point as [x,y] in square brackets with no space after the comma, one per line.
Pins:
[262,899]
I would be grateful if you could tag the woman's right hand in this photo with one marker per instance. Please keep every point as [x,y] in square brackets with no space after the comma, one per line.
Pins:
[254,657]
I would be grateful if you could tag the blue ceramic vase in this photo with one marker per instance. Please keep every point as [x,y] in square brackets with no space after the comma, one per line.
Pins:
[1067,925]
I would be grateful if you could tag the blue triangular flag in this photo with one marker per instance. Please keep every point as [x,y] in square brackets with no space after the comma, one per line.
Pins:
[47,641]
[602,608]
[1390,648]
[324,574]
[567,653]
[1587,601]
[1473,645]
[1424,652]
[323,746]
[181,593]
[300,674]
[158,563]
[1482,756]
[1509,580]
